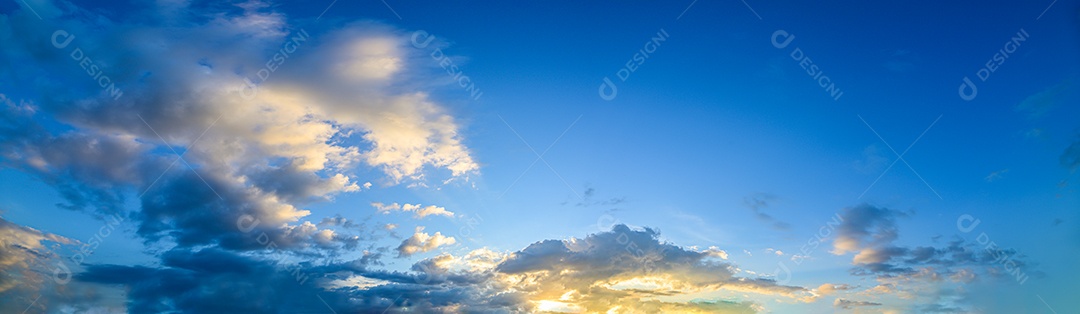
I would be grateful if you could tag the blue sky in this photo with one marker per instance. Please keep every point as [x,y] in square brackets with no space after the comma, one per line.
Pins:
[396,156]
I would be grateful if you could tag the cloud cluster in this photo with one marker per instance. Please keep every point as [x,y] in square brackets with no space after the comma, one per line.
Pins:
[231,120]
[226,113]
[627,270]
[925,272]
[595,274]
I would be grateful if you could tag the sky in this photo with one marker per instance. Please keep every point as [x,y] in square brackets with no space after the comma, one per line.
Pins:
[394,156]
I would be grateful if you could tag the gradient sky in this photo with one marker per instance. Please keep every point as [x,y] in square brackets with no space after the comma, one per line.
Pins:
[500,157]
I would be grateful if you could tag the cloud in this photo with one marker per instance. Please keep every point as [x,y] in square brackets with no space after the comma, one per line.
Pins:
[587,199]
[716,252]
[865,226]
[869,232]
[596,274]
[757,203]
[626,267]
[420,211]
[210,281]
[34,276]
[926,274]
[828,288]
[386,208]
[421,242]
[1070,158]
[429,210]
[259,137]
[1037,105]
[900,61]
[996,175]
[850,304]
[21,249]
[873,160]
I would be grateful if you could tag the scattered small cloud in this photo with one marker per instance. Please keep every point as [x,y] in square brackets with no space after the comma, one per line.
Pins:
[994,176]
[873,160]
[900,61]
[1037,105]
[758,203]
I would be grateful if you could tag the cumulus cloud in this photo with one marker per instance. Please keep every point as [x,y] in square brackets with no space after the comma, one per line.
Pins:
[419,211]
[716,252]
[212,142]
[607,274]
[429,210]
[865,226]
[258,137]
[421,242]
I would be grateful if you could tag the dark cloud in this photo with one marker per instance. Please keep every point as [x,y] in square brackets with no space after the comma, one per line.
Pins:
[870,233]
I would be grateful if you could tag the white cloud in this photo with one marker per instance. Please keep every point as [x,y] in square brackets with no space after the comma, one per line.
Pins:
[421,242]
[716,252]
[420,211]
[386,208]
[433,210]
